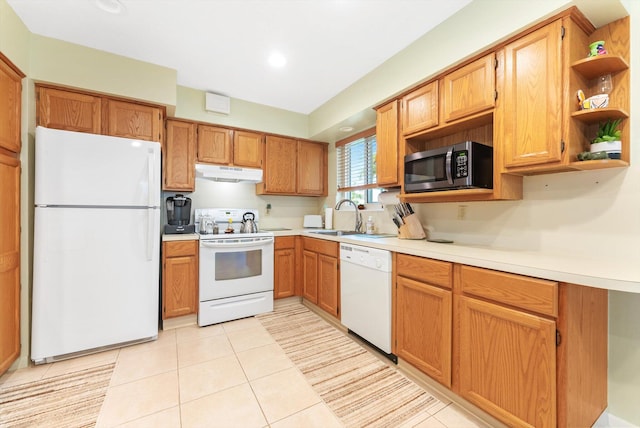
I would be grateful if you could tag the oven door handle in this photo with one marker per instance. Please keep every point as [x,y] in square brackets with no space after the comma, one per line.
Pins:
[257,242]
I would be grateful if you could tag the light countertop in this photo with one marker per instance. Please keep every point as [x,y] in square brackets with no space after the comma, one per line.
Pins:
[609,274]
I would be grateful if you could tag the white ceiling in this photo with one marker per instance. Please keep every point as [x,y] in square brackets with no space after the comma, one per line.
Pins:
[222,46]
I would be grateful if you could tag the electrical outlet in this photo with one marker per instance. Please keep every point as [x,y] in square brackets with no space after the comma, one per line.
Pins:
[462,212]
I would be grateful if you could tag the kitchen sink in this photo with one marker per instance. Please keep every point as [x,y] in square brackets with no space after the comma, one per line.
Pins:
[330,232]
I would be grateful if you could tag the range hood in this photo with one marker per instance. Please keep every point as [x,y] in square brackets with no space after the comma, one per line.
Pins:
[230,174]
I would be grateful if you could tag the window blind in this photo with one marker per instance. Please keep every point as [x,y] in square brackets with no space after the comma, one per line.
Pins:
[356,161]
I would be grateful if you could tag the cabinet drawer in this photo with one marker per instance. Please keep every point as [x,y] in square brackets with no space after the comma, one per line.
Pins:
[180,248]
[282,242]
[426,270]
[533,294]
[323,247]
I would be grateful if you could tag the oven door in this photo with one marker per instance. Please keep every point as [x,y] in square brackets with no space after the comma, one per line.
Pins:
[235,266]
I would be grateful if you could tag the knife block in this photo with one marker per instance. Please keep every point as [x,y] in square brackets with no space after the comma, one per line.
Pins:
[411,229]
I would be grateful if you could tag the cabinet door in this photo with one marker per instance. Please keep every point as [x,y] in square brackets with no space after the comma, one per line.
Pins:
[179,157]
[247,149]
[312,168]
[280,166]
[328,285]
[508,363]
[284,273]
[420,109]
[180,279]
[310,276]
[532,100]
[387,145]
[9,261]
[11,94]
[214,145]
[470,89]
[69,110]
[131,120]
[423,327]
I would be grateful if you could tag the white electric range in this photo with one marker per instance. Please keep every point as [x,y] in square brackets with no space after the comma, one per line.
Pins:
[236,269]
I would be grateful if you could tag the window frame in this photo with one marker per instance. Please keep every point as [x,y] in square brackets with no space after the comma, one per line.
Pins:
[370,164]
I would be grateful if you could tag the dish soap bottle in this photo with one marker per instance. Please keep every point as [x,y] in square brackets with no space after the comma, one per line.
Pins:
[370,226]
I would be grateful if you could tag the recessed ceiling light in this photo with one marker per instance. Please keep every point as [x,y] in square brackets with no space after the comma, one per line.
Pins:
[346,128]
[111,6]
[277,60]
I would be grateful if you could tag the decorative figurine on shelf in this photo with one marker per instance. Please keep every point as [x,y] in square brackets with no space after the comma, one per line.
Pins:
[597,48]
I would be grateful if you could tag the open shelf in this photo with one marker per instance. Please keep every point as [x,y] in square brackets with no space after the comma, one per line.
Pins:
[599,114]
[461,195]
[599,164]
[599,65]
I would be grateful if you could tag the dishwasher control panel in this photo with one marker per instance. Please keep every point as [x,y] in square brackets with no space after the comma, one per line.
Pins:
[373,258]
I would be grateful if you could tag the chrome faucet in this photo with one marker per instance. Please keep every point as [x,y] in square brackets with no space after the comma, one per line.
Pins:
[358,226]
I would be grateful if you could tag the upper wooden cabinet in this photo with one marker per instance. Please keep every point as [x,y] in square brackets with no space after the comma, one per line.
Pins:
[549,66]
[532,98]
[214,145]
[178,160]
[67,110]
[225,146]
[469,89]
[519,98]
[420,109]
[11,95]
[294,167]
[311,178]
[132,120]
[247,149]
[280,166]
[85,112]
[387,157]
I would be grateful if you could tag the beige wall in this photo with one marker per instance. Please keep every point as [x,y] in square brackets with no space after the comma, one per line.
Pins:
[244,114]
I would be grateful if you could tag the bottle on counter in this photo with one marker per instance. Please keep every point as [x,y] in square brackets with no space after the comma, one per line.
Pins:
[370,226]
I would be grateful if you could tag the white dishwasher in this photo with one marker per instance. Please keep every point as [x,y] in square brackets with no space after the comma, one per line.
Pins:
[365,295]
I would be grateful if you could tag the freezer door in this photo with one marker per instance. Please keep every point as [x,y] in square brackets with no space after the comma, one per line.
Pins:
[79,169]
[95,281]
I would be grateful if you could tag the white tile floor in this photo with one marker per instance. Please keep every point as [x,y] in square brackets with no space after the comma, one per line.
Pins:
[227,375]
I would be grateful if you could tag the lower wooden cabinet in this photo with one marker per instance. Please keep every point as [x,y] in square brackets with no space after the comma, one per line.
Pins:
[529,351]
[284,258]
[424,315]
[179,278]
[320,275]
[508,362]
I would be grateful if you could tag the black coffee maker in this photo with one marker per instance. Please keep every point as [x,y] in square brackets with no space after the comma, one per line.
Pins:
[178,215]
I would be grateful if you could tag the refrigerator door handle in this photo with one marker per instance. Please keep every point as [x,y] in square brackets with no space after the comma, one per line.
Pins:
[150,229]
[150,168]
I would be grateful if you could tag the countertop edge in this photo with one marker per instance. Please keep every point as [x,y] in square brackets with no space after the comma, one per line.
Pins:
[554,267]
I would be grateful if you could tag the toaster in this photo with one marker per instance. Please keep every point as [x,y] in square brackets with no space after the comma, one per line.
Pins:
[312,221]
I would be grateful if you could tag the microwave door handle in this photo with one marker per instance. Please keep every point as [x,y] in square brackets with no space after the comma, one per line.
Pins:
[448,166]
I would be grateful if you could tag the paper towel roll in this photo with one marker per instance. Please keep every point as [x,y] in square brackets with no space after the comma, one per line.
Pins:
[389,198]
[328,218]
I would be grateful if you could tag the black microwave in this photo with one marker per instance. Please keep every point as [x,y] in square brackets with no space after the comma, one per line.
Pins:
[466,165]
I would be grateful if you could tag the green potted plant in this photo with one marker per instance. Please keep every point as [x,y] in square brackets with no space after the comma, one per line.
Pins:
[608,139]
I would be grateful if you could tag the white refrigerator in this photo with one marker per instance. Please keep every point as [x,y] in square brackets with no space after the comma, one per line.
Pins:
[96,243]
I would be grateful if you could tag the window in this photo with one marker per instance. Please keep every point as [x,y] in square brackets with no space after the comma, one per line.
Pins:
[356,167]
